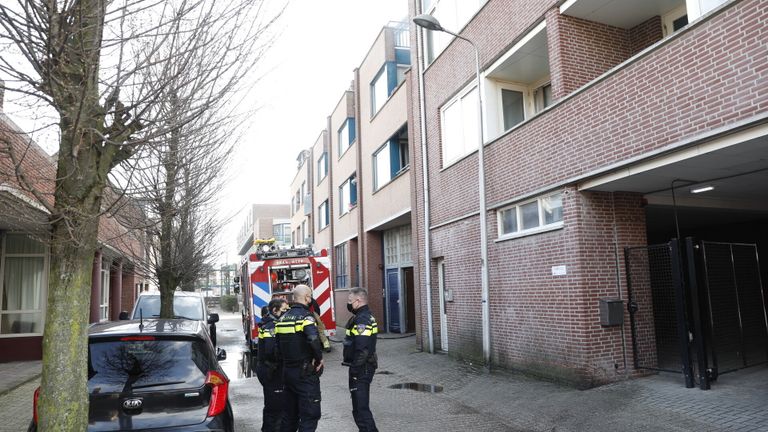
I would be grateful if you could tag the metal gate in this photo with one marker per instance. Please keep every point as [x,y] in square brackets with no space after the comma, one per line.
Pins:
[697,308]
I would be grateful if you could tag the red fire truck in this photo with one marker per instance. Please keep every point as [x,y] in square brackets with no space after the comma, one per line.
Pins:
[272,272]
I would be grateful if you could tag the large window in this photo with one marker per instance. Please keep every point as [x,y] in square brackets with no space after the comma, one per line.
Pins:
[379,90]
[346,135]
[104,304]
[342,265]
[460,126]
[531,216]
[282,233]
[24,268]
[453,15]
[517,85]
[348,195]
[322,167]
[323,215]
[391,159]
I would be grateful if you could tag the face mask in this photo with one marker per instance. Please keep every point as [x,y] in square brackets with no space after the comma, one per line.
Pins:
[350,308]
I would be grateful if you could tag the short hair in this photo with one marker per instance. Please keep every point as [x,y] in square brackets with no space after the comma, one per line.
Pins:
[361,293]
[303,290]
[276,304]
[264,311]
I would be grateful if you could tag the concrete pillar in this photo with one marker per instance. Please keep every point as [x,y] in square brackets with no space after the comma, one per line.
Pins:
[96,287]
[115,289]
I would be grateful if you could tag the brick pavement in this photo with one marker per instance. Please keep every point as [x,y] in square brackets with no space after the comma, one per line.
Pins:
[473,400]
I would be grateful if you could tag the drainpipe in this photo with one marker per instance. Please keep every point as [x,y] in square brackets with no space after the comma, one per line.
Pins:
[425,181]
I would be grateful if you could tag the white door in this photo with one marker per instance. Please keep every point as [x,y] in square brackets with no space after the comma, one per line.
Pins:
[443,313]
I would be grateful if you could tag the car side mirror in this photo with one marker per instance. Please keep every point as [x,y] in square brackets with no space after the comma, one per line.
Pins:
[221,354]
[123,316]
[213,318]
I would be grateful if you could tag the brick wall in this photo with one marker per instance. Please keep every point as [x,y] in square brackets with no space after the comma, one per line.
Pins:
[709,76]
[373,273]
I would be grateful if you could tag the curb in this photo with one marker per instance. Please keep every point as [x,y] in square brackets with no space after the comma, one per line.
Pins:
[4,392]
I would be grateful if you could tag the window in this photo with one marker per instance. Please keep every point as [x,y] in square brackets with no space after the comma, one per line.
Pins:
[379,90]
[304,230]
[24,267]
[675,19]
[104,304]
[323,215]
[527,217]
[453,15]
[342,268]
[391,159]
[348,195]
[346,135]
[460,133]
[322,167]
[282,233]
[542,97]
[517,85]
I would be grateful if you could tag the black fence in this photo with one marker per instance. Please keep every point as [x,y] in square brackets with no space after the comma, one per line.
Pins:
[696,308]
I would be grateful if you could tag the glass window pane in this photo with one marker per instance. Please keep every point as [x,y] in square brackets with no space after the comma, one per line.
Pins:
[509,221]
[379,91]
[471,121]
[512,108]
[188,307]
[383,171]
[452,133]
[530,215]
[344,137]
[136,366]
[552,206]
[16,323]
[23,283]
[22,244]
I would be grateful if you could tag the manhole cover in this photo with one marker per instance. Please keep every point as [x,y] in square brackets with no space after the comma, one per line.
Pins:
[428,388]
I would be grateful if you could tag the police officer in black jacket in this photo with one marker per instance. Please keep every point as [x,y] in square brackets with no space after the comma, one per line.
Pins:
[302,356]
[360,356]
[268,368]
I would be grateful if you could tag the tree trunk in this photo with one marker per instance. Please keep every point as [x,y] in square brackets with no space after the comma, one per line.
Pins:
[64,404]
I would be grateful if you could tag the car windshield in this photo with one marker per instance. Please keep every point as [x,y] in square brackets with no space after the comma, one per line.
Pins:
[183,307]
[134,365]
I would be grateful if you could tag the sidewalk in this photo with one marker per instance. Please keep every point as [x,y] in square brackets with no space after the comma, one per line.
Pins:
[14,374]
[474,400]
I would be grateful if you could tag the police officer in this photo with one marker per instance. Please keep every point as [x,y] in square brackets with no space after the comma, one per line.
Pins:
[302,357]
[268,367]
[360,356]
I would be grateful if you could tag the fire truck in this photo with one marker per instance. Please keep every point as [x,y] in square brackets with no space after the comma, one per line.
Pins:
[271,271]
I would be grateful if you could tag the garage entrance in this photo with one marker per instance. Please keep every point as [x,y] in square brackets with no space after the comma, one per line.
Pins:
[698,309]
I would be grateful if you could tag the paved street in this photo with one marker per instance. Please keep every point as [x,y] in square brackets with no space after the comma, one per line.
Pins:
[472,400]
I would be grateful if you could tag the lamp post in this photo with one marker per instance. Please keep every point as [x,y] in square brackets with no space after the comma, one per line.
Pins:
[430,23]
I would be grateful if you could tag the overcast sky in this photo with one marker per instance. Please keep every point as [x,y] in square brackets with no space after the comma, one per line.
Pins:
[309,68]
[303,76]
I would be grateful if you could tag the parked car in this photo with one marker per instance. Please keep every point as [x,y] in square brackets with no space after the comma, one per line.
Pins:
[154,374]
[186,305]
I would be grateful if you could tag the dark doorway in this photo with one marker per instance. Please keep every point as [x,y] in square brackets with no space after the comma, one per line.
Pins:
[410,303]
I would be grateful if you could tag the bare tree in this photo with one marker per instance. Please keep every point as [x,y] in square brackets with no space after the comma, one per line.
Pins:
[123,76]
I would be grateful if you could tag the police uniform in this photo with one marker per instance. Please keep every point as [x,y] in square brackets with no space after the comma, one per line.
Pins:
[360,356]
[270,375]
[299,346]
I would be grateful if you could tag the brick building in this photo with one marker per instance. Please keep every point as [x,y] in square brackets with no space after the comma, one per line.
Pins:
[605,126]
[24,252]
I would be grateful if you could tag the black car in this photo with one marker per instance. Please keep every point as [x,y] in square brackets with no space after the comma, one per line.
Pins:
[155,375]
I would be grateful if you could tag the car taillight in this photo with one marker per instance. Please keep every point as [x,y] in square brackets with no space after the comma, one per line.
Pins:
[34,404]
[219,389]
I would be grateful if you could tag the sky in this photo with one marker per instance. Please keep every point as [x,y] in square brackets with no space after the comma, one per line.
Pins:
[306,72]
[300,80]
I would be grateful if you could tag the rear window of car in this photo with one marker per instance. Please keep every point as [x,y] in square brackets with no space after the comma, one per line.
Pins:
[147,365]
[183,307]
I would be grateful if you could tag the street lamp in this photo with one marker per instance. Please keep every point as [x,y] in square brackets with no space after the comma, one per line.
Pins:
[430,23]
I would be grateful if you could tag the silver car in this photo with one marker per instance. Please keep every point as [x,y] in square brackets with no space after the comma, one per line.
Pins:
[186,305]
